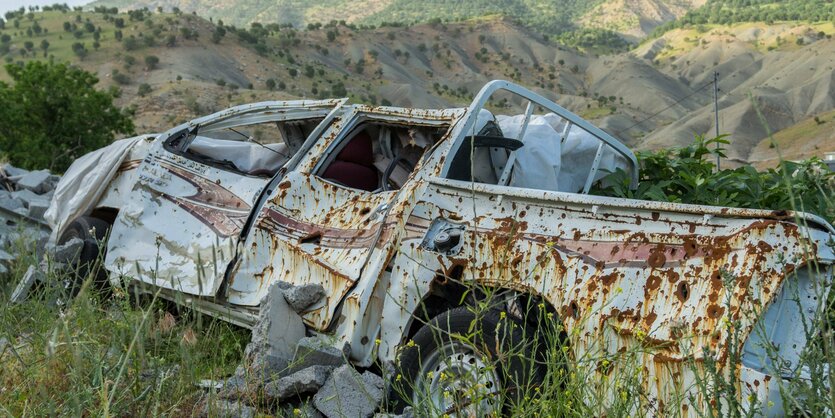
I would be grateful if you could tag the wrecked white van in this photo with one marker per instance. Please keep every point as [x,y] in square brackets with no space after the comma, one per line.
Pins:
[395,211]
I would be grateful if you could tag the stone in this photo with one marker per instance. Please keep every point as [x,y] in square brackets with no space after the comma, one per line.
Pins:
[36,181]
[348,394]
[38,208]
[319,350]
[68,251]
[28,196]
[301,382]
[4,256]
[11,171]
[302,297]
[22,289]
[9,202]
[222,408]
[274,337]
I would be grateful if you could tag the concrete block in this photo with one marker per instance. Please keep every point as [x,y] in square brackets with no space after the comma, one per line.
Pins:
[348,394]
[21,291]
[301,382]
[37,209]
[274,337]
[321,351]
[302,297]
[69,251]
[221,408]
[36,181]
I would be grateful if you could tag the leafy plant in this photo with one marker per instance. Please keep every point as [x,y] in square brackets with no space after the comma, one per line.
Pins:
[689,175]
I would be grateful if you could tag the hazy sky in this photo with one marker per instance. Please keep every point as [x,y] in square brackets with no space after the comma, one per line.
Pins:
[6,5]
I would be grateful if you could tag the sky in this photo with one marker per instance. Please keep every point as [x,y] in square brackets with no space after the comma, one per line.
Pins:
[6,5]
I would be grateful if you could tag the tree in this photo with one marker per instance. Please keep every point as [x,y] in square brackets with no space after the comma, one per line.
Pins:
[270,84]
[151,62]
[79,50]
[52,114]
[44,46]
[144,89]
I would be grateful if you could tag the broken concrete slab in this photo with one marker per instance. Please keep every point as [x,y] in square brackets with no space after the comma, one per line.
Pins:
[9,202]
[274,336]
[319,350]
[12,171]
[347,393]
[68,251]
[37,181]
[28,196]
[301,382]
[38,208]
[222,408]
[21,291]
[302,297]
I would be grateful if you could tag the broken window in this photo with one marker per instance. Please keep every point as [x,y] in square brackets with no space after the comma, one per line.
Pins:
[544,148]
[378,156]
[250,149]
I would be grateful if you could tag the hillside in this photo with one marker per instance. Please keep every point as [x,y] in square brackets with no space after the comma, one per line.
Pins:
[637,95]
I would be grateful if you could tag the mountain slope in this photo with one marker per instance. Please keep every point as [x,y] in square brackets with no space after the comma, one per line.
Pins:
[645,97]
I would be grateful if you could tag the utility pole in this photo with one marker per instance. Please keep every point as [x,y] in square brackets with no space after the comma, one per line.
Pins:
[716,111]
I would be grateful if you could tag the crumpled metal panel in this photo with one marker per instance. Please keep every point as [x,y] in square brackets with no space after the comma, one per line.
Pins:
[660,283]
[179,228]
[314,231]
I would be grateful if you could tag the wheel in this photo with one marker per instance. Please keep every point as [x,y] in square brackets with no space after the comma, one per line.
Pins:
[465,364]
[92,231]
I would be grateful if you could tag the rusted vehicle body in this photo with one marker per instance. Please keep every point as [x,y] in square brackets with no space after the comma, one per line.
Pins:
[386,207]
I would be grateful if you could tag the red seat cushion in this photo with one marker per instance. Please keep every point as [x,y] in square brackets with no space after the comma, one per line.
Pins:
[352,175]
[358,150]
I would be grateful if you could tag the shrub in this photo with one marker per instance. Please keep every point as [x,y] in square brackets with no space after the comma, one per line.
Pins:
[143,89]
[63,122]
[688,175]
[120,77]
[151,62]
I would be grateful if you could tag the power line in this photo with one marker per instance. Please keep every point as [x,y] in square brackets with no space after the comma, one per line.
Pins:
[662,110]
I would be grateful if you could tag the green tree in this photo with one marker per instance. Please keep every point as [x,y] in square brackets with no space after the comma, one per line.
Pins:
[44,46]
[143,89]
[52,114]
[151,62]
[270,84]
[79,50]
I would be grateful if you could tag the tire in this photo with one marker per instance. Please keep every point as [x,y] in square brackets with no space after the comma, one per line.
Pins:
[92,231]
[465,364]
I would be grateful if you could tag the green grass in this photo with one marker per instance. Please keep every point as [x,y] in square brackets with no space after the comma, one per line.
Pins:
[103,354]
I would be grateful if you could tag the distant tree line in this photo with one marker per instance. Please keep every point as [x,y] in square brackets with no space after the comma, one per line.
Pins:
[725,12]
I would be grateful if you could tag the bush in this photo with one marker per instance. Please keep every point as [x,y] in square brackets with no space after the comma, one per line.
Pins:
[151,62]
[49,128]
[688,175]
[120,77]
[143,89]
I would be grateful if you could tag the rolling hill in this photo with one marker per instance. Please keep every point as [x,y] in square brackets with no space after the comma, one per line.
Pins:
[653,96]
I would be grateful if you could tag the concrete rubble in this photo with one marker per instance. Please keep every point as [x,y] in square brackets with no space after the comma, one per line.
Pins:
[24,198]
[285,370]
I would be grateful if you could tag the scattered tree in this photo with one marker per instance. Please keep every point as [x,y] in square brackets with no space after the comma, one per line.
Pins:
[151,62]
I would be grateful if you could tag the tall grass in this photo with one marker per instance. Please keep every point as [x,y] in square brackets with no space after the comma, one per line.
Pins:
[105,353]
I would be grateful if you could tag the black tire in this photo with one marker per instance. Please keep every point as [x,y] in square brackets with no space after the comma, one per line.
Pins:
[93,232]
[503,344]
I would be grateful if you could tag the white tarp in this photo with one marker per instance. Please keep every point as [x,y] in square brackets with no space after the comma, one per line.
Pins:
[85,182]
[548,161]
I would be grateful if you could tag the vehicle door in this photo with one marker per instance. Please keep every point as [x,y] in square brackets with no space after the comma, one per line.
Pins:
[195,191]
[330,219]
